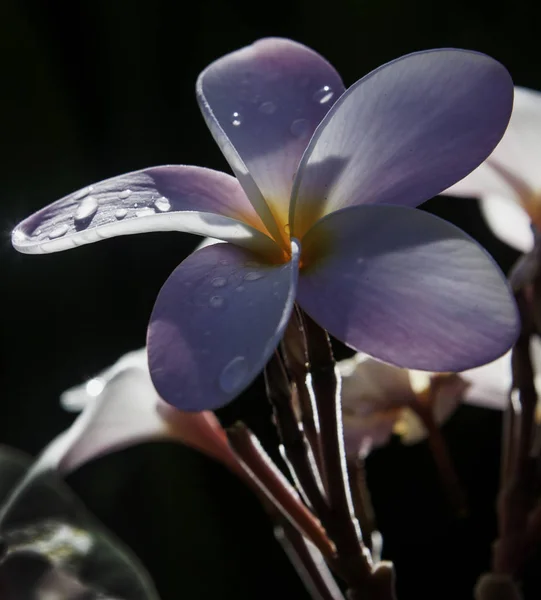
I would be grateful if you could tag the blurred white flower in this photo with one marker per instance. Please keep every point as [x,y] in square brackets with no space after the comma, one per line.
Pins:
[508,183]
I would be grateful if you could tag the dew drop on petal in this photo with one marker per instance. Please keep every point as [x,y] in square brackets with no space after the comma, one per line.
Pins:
[124,194]
[145,212]
[94,387]
[216,301]
[234,375]
[236,120]
[121,213]
[252,264]
[86,210]
[82,193]
[253,276]
[239,288]
[323,95]
[58,232]
[300,128]
[162,204]
[218,282]
[267,108]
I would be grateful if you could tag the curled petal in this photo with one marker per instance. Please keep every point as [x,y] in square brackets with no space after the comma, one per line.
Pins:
[216,322]
[262,103]
[407,288]
[508,221]
[403,133]
[169,198]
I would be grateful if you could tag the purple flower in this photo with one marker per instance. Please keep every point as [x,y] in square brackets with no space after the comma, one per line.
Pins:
[321,213]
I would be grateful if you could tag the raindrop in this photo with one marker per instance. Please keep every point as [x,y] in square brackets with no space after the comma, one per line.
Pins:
[323,95]
[86,210]
[121,213]
[236,120]
[58,232]
[124,194]
[81,193]
[268,108]
[218,282]
[240,288]
[252,264]
[300,128]
[162,204]
[253,276]
[234,375]
[216,301]
[145,212]
[224,263]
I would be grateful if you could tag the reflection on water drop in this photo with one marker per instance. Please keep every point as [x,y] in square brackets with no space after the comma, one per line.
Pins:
[58,232]
[218,282]
[216,301]
[94,387]
[300,128]
[145,212]
[121,213]
[124,194]
[323,95]
[234,375]
[86,210]
[253,276]
[82,193]
[268,108]
[162,204]
[236,120]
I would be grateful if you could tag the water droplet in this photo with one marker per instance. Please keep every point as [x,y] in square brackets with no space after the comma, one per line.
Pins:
[124,194]
[287,228]
[145,212]
[216,301]
[121,213]
[268,108]
[360,260]
[162,204]
[236,120]
[323,95]
[252,264]
[300,128]
[234,375]
[86,210]
[94,387]
[58,232]
[224,263]
[240,288]
[218,282]
[81,194]
[253,276]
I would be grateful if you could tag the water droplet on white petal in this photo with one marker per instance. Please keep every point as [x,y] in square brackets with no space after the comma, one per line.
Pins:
[145,212]
[124,194]
[323,95]
[236,120]
[82,193]
[300,128]
[218,282]
[268,108]
[216,301]
[253,276]
[86,210]
[94,387]
[162,204]
[234,375]
[121,213]
[58,232]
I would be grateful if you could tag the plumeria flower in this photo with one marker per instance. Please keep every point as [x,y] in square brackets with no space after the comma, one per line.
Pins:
[508,183]
[320,213]
[378,401]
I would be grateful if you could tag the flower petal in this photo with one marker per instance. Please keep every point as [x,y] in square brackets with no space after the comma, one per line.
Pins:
[216,322]
[406,287]
[178,198]
[262,103]
[508,221]
[403,133]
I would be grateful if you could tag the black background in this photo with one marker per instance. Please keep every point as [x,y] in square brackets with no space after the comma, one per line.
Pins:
[89,90]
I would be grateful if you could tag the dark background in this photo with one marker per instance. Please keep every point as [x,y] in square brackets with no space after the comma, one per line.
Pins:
[89,90]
